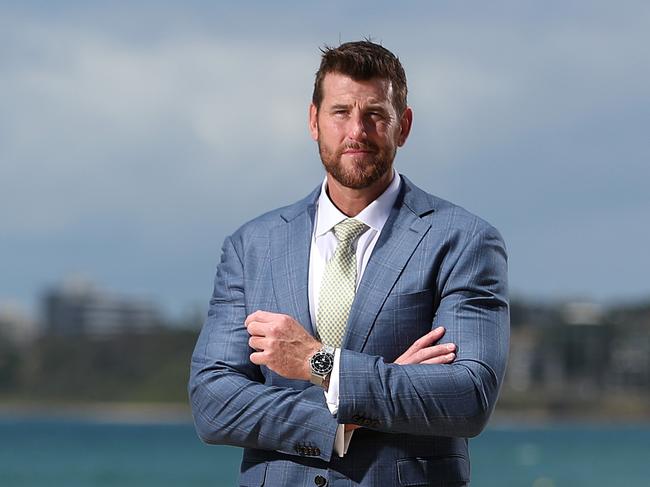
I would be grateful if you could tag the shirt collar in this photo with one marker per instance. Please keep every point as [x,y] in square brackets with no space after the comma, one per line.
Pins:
[374,215]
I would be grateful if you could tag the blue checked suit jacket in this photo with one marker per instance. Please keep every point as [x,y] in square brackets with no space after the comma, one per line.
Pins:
[434,264]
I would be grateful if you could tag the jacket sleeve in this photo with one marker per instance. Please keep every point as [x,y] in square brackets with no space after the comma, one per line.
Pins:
[230,404]
[444,400]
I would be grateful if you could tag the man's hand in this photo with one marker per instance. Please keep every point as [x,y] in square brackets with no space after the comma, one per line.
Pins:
[424,352]
[281,344]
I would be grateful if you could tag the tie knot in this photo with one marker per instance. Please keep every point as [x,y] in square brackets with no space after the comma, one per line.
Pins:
[348,230]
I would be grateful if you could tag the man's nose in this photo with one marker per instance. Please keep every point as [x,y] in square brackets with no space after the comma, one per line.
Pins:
[357,129]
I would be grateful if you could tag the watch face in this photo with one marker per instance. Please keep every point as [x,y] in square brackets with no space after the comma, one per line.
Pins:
[322,363]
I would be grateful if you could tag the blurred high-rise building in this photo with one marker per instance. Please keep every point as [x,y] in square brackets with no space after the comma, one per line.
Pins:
[15,325]
[79,308]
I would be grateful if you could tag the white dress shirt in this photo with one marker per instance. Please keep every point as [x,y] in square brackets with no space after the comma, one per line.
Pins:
[323,245]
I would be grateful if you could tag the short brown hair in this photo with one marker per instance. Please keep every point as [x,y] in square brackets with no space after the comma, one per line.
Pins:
[361,61]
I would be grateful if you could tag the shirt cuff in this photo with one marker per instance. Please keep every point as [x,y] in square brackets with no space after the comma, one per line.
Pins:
[342,440]
[332,392]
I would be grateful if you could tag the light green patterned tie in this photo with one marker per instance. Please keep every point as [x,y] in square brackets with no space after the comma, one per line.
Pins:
[339,284]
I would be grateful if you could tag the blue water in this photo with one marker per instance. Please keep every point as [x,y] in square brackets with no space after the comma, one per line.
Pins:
[77,453]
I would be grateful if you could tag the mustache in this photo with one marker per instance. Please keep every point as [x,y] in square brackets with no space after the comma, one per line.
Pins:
[358,146]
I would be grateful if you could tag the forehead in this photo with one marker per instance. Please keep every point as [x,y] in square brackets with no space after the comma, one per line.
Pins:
[340,88]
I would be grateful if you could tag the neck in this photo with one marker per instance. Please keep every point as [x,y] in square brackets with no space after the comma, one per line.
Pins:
[352,201]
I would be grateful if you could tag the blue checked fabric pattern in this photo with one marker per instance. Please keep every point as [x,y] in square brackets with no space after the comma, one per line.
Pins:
[339,284]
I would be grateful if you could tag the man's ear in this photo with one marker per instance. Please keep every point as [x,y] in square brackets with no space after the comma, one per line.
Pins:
[405,124]
[313,121]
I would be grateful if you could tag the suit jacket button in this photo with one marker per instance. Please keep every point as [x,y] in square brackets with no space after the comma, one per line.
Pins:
[320,481]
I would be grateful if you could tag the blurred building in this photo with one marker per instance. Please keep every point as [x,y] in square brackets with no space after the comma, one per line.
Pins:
[15,325]
[579,356]
[631,361]
[79,308]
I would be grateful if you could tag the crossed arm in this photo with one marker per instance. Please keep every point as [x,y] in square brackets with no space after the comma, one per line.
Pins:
[284,346]
[230,406]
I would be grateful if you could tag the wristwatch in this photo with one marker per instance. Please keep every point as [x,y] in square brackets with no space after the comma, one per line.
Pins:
[322,363]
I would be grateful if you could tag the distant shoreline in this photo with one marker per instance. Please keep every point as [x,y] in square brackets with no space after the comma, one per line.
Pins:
[179,413]
[103,412]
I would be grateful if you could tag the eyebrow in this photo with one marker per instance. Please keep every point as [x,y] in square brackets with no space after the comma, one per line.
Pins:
[377,107]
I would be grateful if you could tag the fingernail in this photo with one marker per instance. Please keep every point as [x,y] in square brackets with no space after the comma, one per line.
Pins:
[451,346]
[440,328]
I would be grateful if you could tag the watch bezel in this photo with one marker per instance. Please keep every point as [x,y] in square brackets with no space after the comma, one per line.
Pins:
[321,364]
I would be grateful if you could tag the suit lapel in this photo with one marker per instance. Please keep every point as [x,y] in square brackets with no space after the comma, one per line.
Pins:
[290,246]
[399,238]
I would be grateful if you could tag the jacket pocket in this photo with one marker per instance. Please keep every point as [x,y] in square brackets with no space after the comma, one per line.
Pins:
[402,301]
[445,471]
[252,474]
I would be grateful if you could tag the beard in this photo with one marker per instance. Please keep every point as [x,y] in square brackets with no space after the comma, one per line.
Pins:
[362,171]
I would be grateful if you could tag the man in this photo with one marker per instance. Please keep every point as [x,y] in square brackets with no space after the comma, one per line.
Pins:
[310,357]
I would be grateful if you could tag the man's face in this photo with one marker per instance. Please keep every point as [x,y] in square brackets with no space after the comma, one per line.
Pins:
[358,129]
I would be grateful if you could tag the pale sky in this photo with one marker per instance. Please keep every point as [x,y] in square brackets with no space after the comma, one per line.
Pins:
[134,139]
